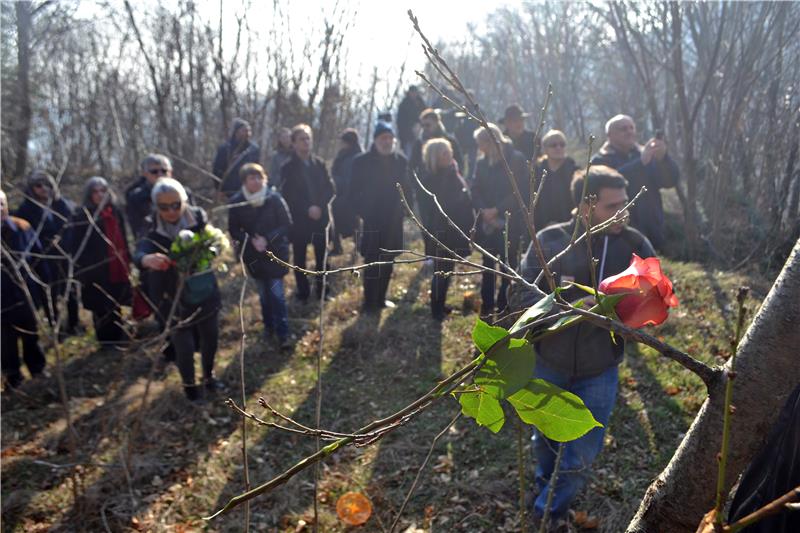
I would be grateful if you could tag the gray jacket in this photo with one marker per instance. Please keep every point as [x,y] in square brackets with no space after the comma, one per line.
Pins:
[583,350]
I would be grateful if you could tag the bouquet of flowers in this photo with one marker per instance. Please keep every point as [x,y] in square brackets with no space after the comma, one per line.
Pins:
[194,252]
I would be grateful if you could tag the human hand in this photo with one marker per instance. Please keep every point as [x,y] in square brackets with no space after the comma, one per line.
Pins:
[314,212]
[156,261]
[655,148]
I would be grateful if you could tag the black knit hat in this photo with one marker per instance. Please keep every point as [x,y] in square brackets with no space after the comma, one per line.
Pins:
[382,127]
[350,136]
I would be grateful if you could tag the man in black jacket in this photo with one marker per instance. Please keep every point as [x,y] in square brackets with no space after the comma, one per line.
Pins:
[374,197]
[582,359]
[307,188]
[232,155]
[649,166]
[408,116]
[523,139]
[138,205]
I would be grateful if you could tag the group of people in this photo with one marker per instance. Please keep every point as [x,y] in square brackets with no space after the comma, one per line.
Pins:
[53,248]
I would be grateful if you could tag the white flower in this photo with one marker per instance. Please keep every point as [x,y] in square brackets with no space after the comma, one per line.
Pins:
[186,235]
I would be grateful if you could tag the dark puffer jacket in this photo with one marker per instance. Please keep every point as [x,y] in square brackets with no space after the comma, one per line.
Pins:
[270,220]
[453,195]
[584,350]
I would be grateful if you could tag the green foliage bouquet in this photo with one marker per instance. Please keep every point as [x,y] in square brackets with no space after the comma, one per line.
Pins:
[194,252]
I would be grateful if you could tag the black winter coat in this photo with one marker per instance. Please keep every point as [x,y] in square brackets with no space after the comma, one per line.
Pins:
[647,214]
[584,350]
[270,220]
[162,285]
[555,203]
[407,115]
[50,227]
[492,189]
[525,144]
[304,185]
[342,170]
[92,259]
[374,197]
[453,195]
[229,160]
[19,239]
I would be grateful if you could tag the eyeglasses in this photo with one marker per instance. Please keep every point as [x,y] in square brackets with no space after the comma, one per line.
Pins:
[556,145]
[157,171]
[174,206]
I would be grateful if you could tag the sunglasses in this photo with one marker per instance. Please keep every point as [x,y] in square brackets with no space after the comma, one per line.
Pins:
[157,171]
[174,206]
[556,145]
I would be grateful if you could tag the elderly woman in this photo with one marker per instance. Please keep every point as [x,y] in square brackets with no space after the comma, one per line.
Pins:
[441,177]
[192,313]
[97,241]
[555,201]
[493,195]
[259,221]
[48,213]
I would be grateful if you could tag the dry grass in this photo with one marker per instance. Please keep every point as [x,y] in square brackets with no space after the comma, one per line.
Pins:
[186,461]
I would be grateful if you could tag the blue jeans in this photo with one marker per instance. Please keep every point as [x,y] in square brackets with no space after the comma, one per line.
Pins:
[273,306]
[599,394]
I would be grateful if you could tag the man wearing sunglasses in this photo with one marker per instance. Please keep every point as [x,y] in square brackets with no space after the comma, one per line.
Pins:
[138,205]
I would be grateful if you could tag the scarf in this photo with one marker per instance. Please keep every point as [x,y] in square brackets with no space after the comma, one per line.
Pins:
[117,248]
[255,199]
[170,230]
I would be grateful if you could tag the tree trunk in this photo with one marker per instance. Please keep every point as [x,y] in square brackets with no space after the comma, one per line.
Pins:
[23,133]
[766,371]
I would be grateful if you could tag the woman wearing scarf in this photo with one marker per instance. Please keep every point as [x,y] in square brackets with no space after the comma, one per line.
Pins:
[48,213]
[259,219]
[97,241]
[195,318]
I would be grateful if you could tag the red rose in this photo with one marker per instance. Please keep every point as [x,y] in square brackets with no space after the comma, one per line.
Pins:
[650,292]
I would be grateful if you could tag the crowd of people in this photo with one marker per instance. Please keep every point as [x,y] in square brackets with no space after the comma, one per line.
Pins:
[86,252]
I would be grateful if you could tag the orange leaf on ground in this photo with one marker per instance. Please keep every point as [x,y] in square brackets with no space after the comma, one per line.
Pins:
[353,508]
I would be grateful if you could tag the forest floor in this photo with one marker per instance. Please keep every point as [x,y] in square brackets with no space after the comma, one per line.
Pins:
[185,461]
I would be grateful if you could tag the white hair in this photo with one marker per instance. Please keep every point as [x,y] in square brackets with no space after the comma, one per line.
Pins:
[168,185]
[155,159]
[616,118]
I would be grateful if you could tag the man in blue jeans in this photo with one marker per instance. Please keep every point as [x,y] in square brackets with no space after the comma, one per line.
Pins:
[582,359]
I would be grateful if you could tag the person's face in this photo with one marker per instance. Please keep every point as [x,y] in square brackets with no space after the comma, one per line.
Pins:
[445,159]
[169,206]
[555,149]
[254,182]
[609,201]
[42,191]
[155,171]
[515,125]
[98,194]
[622,135]
[429,125]
[3,206]
[344,145]
[243,134]
[302,144]
[285,139]
[486,146]
[384,143]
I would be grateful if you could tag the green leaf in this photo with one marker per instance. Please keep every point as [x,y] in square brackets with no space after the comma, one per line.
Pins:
[535,311]
[558,414]
[486,410]
[485,336]
[508,369]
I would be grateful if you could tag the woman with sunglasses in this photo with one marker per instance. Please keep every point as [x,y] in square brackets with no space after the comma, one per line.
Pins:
[97,241]
[48,213]
[195,317]
[555,202]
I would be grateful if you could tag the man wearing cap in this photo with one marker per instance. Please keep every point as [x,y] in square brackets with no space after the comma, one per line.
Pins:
[523,139]
[374,197]
[643,166]
[232,155]
[408,116]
